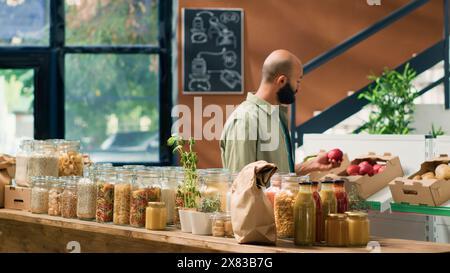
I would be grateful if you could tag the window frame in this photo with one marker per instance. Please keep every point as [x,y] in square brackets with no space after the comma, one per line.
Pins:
[49,65]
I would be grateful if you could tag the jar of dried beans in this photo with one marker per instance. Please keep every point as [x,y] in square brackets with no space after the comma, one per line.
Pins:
[43,160]
[39,194]
[87,197]
[69,197]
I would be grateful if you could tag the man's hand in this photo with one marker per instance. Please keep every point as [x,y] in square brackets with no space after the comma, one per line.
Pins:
[319,163]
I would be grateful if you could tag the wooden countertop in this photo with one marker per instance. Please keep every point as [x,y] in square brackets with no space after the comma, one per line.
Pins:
[178,239]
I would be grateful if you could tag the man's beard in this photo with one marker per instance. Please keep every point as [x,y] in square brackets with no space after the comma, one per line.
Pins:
[286,94]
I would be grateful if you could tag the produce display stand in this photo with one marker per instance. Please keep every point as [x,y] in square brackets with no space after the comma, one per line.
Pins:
[380,201]
[26,232]
[443,210]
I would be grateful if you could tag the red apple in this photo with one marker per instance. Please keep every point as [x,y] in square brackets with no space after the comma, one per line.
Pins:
[365,163]
[365,168]
[376,168]
[381,169]
[335,155]
[353,170]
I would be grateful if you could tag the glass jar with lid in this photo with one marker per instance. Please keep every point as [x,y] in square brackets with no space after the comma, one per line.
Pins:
[275,186]
[168,195]
[215,183]
[105,179]
[43,160]
[305,216]
[22,161]
[284,205]
[341,196]
[39,194]
[70,158]
[178,178]
[69,197]
[221,225]
[143,191]
[336,226]
[55,189]
[358,228]
[156,216]
[87,198]
[122,195]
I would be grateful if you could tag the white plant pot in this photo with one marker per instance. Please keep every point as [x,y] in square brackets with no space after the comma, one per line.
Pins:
[185,220]
[201,223]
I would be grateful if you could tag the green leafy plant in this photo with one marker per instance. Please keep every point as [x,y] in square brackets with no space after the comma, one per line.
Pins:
[188,190]
[436,132]
[210,204]
[393,99]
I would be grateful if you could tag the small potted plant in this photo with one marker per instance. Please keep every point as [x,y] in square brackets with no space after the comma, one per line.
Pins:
[201,221]
[188,194]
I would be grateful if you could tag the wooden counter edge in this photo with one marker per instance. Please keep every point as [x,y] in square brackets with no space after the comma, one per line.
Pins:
[177,237]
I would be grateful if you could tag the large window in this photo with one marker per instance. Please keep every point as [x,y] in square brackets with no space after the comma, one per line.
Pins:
[16,107]
[102,66]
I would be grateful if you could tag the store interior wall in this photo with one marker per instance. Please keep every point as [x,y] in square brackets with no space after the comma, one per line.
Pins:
[309,28]
[427,114]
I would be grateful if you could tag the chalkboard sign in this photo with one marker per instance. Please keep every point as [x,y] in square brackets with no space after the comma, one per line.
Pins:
[213,61]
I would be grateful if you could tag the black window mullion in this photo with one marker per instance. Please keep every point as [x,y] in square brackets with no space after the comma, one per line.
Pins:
[165,79]
[56,76]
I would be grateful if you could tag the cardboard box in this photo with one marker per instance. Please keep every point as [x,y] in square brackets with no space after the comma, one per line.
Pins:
[366,185]
[315,176]
[18,198]
[431,192]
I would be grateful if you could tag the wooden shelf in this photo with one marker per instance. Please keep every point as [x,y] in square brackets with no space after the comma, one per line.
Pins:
[26,232]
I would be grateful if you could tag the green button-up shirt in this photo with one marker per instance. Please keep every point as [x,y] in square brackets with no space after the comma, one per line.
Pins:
[247,136]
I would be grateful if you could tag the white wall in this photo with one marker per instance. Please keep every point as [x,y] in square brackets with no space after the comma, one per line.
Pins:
[427,114]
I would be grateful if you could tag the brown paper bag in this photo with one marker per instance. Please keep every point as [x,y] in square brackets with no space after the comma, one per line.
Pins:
[7,167]
[252,216]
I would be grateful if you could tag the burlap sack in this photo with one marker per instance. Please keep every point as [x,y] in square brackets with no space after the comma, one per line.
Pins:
[7,170]
[252,216]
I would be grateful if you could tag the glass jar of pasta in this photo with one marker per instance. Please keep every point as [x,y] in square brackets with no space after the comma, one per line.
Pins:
[284,205]
[105,179]
[70,158]
[122,195]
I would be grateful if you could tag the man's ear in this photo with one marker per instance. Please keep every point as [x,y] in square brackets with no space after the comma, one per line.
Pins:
[281,80]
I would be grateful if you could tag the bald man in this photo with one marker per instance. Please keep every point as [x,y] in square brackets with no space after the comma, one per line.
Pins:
[258,130]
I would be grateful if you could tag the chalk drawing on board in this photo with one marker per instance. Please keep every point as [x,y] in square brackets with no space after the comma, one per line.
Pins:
[224,35]
[198,31]
[200,76]
[229,17]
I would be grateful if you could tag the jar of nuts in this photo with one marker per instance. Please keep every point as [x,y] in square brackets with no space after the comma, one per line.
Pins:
[284,205]
[70,159]
[221,225]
